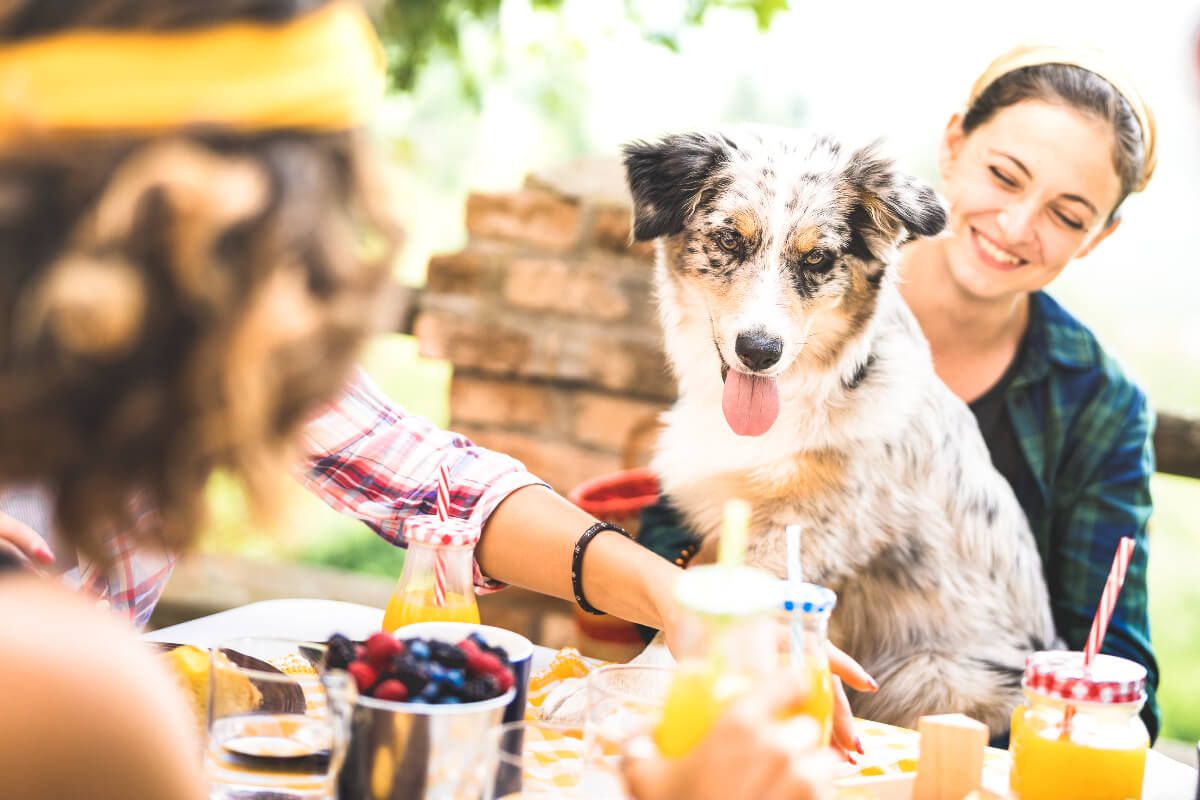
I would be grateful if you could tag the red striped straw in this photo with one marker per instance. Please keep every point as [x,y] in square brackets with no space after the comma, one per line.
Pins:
[439,559]
[1108,600]
[1104,612]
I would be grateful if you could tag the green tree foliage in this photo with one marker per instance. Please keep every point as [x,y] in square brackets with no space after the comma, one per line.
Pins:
[417,32]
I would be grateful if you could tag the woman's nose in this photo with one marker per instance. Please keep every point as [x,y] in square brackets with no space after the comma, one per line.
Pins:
[1016,222]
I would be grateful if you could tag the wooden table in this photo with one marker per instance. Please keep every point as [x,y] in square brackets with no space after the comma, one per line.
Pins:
[316,620]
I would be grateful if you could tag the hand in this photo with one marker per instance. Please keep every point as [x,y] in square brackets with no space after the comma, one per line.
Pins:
[21,542]
[750,754]
[845,668]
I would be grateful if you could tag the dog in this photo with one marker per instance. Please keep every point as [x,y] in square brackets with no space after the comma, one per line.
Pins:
[807,388]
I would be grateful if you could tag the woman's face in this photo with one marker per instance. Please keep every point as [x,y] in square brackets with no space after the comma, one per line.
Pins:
[1029,190]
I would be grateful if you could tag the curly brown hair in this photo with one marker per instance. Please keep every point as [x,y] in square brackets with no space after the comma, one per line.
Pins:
[173,305]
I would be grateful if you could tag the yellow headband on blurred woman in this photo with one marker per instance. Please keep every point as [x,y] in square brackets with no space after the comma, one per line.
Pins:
[323,71]
[1094,61]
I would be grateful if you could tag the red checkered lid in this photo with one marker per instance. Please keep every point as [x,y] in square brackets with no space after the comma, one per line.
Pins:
[1060,674]
[430,530]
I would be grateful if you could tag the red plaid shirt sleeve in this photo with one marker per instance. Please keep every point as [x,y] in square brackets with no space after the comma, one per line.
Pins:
[366,458]
[369,459]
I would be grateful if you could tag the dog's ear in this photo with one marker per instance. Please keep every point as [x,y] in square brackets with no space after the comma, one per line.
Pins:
[892,199]
[668,179]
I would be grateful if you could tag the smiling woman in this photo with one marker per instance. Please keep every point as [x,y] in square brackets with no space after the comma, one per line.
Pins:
[1035,169]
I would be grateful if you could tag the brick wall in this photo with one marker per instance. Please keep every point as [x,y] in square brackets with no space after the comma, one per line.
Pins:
[548,319]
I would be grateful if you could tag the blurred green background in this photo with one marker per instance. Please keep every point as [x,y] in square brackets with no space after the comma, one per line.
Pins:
[487,91]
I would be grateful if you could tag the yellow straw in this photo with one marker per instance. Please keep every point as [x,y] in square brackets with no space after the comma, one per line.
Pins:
[732,551]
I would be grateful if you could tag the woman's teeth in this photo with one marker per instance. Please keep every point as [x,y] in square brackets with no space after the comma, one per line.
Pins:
[995,252]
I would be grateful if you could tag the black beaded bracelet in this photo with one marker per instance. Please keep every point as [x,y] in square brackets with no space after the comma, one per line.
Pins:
[577,562]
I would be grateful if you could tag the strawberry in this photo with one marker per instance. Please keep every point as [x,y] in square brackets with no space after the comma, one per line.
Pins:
[364,675]
[381,648]
[391,690]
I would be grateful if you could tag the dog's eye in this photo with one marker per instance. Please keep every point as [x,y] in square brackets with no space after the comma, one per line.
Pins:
[729,241]
[817,259]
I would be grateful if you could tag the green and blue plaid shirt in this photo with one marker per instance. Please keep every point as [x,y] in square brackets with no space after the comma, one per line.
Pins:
[1073,438]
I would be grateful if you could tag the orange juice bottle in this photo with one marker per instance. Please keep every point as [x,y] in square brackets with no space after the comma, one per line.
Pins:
[1098,750]
[807,608]
[437,582]
[727,643]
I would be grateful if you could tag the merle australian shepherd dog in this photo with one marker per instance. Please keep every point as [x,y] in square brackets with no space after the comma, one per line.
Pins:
[807,388]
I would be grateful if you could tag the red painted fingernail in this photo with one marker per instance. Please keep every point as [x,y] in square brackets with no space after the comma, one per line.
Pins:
[851,759]
[873,684]
[858,746]
[44,555]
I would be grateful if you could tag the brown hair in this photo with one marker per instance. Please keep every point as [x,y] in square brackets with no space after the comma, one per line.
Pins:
[1077,88]
[177,304]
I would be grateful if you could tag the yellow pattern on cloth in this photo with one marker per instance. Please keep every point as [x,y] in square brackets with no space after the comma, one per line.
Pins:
[889,750]
[323,71]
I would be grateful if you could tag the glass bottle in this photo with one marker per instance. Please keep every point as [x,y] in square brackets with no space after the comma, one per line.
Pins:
[727,643]
[1097,749]
[807,608]
[437,582]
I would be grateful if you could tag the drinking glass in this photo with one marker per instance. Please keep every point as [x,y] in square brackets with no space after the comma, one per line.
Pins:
[278,724]
[624,702]
[538,759]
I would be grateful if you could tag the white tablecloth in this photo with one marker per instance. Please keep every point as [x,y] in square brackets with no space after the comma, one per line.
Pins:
[316,620]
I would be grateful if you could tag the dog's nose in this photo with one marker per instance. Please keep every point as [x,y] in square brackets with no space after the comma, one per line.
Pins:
[758,350]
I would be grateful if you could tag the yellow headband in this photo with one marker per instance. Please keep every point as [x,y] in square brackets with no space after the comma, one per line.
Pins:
[1093,61]
[323,71]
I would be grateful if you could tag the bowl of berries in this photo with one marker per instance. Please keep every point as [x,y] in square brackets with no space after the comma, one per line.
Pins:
[425,718]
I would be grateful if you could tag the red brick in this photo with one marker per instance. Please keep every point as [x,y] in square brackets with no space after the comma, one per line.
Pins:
[506,403]
[530,215]
[569,288]
[631,367]
[455,273]
[612,229]
[610,423]
[469,344]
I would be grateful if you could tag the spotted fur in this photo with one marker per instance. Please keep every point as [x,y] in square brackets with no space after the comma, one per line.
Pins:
[940,586]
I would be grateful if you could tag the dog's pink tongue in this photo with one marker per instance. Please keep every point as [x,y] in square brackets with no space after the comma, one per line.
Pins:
[751,403]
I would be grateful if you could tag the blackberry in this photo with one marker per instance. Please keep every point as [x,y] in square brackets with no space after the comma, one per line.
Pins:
[411,672]
[447,655]
[340,652]
[481,688]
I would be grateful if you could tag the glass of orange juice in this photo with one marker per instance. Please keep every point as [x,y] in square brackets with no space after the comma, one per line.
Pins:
[727,644]
[1097,749]
[437,582]
[806,611]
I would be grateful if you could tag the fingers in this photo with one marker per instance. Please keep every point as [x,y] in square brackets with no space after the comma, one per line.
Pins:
[844,735]
[850,671]
[24,540]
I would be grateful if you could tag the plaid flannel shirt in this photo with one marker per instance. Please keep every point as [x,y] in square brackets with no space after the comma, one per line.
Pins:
[366,458]
[1080,469]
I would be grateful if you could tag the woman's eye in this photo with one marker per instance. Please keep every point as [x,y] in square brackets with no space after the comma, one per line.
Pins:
[1000,176]
[816,258]
[1073,224]
[729,242]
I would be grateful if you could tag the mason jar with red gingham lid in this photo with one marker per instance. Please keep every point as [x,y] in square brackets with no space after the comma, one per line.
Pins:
[1079,733]
[437,583]
[1109,679]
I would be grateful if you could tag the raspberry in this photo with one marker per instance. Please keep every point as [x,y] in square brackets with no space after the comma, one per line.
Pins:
[504,678]
[485,663]
[381,647]
[364,676]
[391,690]
[360,652]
